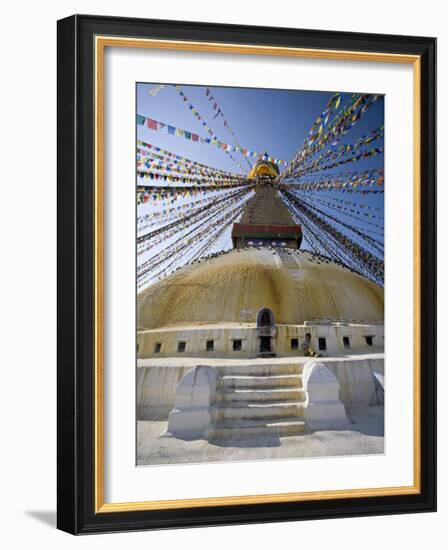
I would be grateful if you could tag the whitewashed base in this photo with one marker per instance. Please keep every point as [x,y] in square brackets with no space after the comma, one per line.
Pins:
[191,416]
[323,408]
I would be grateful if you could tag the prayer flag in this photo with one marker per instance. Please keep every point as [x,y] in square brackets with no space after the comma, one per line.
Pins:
[151,124]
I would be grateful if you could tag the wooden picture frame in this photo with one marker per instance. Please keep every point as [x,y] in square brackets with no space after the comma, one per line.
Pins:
[82,40]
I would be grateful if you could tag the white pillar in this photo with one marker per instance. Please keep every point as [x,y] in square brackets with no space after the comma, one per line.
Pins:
[195,393]
[323,408]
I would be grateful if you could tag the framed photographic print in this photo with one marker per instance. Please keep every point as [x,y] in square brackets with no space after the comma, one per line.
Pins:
[246,274]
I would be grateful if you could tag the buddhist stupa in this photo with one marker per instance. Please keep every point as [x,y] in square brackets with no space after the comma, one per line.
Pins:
[262,297]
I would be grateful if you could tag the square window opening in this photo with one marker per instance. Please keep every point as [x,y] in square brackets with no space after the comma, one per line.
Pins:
[322,344]
[210,345]
[369,340]
[346,342]
[236,345]
[294,344]
[181,346]
[157,347]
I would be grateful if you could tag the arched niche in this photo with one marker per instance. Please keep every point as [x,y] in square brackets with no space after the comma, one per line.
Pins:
[265,318]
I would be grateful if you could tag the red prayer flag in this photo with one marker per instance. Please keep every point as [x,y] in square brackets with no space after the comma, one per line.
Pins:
[152,124]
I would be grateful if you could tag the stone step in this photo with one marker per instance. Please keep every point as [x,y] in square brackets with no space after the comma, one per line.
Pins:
[260,370]
[249,428]
[257,411]
[261,382]
[261,395]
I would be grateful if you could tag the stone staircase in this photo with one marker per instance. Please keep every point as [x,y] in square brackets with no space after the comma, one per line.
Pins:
[258,400]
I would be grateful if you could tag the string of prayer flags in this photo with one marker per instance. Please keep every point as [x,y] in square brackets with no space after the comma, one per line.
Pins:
[218,110]
[153,160]
[337,151]
[353,158]
[184,160]
[341,124]
[171,213]
[154,237]
[362,259]
[191,136]
[218,181]
[367,178]
[204,124]
[147,193]
[337,209]
[191,237]
[352,204]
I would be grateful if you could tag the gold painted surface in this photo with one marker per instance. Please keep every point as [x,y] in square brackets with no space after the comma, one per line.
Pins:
[255,499]
[250,49]
[417,273]
[99,279]
[264,168]
[233,287]
[100,43]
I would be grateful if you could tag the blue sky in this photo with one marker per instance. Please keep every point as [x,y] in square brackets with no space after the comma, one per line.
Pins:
[275,121]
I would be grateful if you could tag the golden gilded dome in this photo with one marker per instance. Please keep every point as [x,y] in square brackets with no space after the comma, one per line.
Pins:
[234,286]
[264,167]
